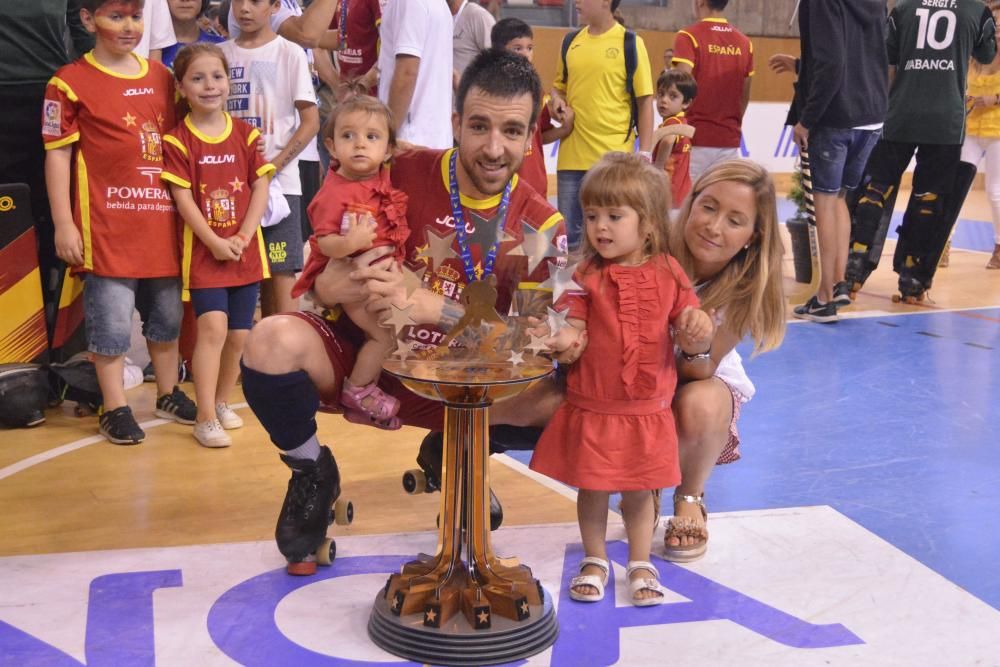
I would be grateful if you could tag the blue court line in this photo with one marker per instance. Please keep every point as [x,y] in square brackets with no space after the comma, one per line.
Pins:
[892,421]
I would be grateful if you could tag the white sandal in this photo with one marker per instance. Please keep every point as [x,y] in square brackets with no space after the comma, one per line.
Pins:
[590,580]
[645,584]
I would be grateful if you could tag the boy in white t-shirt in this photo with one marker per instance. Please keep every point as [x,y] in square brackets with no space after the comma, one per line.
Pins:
[415,70]
[271,88]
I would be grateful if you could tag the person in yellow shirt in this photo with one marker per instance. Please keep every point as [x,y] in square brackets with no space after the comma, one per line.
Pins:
[982,135]
[592,82]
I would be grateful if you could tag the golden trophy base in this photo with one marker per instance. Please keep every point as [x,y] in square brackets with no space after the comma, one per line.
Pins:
[464,605]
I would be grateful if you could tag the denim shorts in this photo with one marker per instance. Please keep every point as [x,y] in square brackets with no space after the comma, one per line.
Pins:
[238,303]
[837,157]
[107,311]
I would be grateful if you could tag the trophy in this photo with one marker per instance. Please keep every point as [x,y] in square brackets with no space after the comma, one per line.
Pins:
[465,605]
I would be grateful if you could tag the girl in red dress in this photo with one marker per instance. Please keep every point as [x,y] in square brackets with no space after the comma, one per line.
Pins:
[615,430]
[356,209]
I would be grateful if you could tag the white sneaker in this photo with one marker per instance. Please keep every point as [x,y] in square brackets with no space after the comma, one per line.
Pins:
[227,416]
[211,434]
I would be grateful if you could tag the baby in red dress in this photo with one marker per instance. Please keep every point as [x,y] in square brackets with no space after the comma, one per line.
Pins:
[615,430]
[356,209]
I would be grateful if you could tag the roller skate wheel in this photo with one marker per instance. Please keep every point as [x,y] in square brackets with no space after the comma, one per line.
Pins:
[853,295]
[343,512]
[326,552]
[302,568]
[414,481]
[896,298]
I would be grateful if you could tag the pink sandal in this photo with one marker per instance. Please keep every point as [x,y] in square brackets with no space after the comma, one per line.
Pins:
[381,411]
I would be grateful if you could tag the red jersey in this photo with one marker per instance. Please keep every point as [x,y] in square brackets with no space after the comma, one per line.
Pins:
[532,170]
[359,50]
[115,123]
[219,172]
[424,172]
[326,213]
[678,164]
[722,58]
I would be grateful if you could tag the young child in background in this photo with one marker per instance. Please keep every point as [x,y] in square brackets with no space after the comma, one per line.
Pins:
[615,431]
[272,89]
[675,89]
[514,35]
[355,209]
[102,122]
[188,28]
[219,181]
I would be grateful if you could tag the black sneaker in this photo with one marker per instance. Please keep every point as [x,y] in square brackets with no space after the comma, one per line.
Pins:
[177,406]
[120,427]
[183,375]
[842,294]
[816,311]
[148,374]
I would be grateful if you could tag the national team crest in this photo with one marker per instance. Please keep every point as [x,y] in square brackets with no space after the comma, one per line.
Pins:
[152,144]
[220,208]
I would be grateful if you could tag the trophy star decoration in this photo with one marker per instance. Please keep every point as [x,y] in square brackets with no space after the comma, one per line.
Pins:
[400,318]
[537,344]
[485,233]
[413,280]
[557,320]
[561,280]
[404,348]
[516,357]
[439,248]
[536,246]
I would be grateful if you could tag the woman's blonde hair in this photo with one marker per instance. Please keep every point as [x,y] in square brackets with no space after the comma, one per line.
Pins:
[749,288]
[623,179]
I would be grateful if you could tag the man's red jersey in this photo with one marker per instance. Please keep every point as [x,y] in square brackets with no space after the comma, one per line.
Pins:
[115,123]
[360,52]
[722,58]
[429,215]
[219,171]
[678,164]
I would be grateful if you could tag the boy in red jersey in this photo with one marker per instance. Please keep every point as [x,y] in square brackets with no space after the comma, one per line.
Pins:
[102,122]
[514,35]
[672,140]
[720,58]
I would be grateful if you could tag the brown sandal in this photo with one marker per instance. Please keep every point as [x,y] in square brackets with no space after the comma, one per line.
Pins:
[686,527]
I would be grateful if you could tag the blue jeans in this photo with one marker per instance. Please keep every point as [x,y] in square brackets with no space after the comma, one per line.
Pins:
[568,196]
[107,311]
[838,157]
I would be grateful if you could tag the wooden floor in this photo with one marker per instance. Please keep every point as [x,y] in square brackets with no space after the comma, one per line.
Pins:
[64,489]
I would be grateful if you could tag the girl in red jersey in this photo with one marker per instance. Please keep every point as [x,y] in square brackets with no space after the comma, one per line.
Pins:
[219,181]
[357,208]
[615,430]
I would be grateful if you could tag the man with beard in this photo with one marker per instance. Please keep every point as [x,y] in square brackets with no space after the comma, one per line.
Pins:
[295,363]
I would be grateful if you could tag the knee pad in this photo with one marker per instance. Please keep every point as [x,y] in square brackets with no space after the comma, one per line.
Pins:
[868,213]
[285,404]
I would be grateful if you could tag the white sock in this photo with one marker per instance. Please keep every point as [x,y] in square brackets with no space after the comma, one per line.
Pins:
[307,450]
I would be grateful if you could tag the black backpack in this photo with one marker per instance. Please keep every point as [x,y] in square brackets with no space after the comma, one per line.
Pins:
[631,63]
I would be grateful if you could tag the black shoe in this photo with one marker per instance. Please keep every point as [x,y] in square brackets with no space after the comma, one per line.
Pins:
[306,512]
[120,427]
[177,406]
[816,311]
[148,374]
[842,294]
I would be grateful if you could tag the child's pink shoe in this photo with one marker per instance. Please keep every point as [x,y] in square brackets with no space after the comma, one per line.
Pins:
[380,411]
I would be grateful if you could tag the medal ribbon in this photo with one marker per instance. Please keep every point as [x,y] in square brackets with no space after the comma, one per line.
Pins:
[459,218]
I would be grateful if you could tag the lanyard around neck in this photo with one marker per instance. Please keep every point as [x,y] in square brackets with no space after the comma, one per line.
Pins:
[489,256]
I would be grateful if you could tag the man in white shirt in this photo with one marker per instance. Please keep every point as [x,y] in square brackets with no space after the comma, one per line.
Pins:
[415,66]
[472,32]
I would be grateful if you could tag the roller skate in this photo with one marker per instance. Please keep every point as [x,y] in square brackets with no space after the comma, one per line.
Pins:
[427,478]
[857,271]
[911,290]
[311,504]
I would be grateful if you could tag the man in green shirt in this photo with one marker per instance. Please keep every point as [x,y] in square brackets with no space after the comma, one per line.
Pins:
[929,43]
